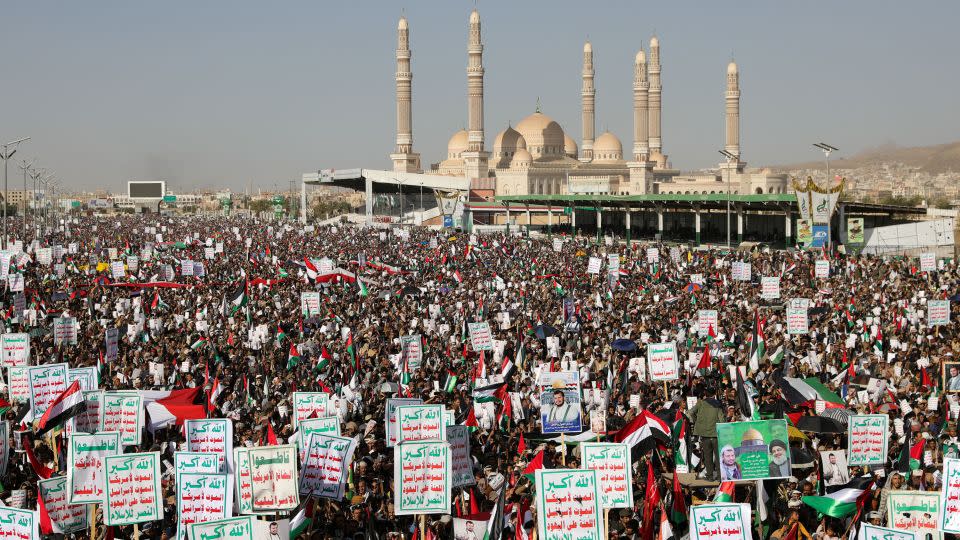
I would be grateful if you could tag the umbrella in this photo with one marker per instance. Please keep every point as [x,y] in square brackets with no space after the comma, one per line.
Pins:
[624,345]
[410,290]
[820,424]
[543,331]
[841,416]
[796,435]
[693,287]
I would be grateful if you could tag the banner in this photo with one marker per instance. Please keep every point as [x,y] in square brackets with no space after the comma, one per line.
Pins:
[411,351]
[390,417]
[239,528]
[928,262]
[720,522]
[309,303]
[915,511]
[706,319]
[804,231]
[273,477]
[47,383]
[614,472]
[123,412]
[111,341]
[329,425]
[195,462]
[420,423]
[593,265]
[480,337]
[797,322]
[461,464]
[821,269]
[65,331]
[421,475]
[560,402]
[770,287]
[855,230]
[950,497]
[568,504]
[753,450]
[243,485]
[326,466]
[15,349]
[202,497]
[19,524]
[867,436]
[65,517]
[212,435]
[86,455]
[938,312]
[872,532]
[662,358]
[307,404]
[133,489]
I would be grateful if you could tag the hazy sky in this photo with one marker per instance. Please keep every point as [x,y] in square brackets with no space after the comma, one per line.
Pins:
[222,93]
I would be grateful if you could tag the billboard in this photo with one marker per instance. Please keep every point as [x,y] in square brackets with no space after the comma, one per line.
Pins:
[146,190]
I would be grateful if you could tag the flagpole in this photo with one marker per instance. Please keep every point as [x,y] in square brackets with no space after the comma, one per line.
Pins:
[93,521]
[423,527]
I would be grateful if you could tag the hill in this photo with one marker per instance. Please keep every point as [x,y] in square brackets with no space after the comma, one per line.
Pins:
[930,159]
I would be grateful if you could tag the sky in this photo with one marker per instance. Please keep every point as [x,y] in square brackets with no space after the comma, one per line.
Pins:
[222,94]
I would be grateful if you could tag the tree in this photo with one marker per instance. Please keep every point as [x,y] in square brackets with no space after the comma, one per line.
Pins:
[262,205]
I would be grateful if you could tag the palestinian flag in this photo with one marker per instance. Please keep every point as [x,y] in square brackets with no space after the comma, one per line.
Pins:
[725,492]
[757,343]
[450,383]
[67,405]
[494,529]
[281,335]
[646,431]
[911,456]
[200,342]
[293,358]
[678,507]
[352,352]
[535,464]
[777,356]
[490,393]
[363,288]
[471,421]
[237,298]
[666,531]
[805,391]
[505,413]
[215,391]
[878,342]
[841,501]
[557,288]
[302,519]
[246,390]
[679,432]
[745,399]
[456,276]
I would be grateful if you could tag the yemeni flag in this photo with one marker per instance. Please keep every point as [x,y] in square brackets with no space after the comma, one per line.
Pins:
[725,492]
[67,405]
[911,456]
[312,271]
[841,501]
[237,297]
[293,358]
[456,276]
[645,431]
[215,391]
[758,343]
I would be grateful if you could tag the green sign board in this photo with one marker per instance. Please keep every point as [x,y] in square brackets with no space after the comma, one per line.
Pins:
[169,198]
[567,211]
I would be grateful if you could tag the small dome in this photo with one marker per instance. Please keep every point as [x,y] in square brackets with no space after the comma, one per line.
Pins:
[641,58]
[521,158]
[402,25]
[457,145]
[607,147]
[506,145]
[569,146]
[732,68]
[587,47]
[544,137]
[474,17]
[654,42]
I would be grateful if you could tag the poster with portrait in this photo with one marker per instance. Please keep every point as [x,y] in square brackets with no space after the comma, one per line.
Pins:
[469,529]
[804,231]
[560,410]
[835,467]
[753,450]
[951,376]
[915,511]
[854,230]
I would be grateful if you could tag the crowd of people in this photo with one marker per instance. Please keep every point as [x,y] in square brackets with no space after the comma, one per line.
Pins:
[869,344]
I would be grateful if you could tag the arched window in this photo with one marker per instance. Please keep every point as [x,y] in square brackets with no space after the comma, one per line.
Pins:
[759,191]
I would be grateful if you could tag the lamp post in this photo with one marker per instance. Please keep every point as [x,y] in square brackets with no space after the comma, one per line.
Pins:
[6,154]
[827,149]
[730,159]
[25,166]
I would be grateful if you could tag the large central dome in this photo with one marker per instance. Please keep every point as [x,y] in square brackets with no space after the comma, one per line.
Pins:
[543,135]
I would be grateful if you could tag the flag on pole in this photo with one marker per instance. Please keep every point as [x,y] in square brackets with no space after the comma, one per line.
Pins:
[237,298]
[312,272]
[363,288]
[352,352]
[293,358]
[757,343]
[67,405]
[725,493]
[840,501]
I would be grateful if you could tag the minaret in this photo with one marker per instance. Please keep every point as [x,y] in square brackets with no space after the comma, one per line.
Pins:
[641,87]
[404,158]
[475,158]
[588,100]
[653,69]
[733,110]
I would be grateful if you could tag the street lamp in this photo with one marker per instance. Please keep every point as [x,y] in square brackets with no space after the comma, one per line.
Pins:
[6,154]
[25,166]
[827,149]
[731,157]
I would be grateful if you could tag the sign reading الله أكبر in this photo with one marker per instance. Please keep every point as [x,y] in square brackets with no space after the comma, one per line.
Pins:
[421,475]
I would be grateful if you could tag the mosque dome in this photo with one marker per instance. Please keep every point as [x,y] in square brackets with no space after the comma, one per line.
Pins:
[569,146]
[607,147]
[521,159]
[505,146]
[732,68]
[457,145]
[543,135]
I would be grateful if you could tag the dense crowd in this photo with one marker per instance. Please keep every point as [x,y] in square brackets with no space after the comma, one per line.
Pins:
[868,344]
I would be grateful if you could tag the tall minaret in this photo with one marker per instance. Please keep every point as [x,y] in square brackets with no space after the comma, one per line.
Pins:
[404,158]
[475,158]
[653,69]
[588,99]
[641,86]
[733,110]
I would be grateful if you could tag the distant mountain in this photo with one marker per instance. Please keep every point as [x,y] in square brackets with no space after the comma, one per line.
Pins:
[930,159]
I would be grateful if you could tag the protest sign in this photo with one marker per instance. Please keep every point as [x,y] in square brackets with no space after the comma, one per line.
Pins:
[111,341]
[47,383]
[273,477]
[821,269]
[914,511]
[411,351]
[65,331]
[123,412]
[653,255]
[867,436]
[243,484]
[19,524]
[310,303]
[593,265]
[195,462]
[560,402]
[117,271]
[88,377]
[753,450]
[65,518]
[309,404]
[329,425]
[89,420]
[697,279]
[133,489]
[14,349]
[928,262]
[568,504]
[326,465]
[461,465]
[202,497]
[706,319]
[421,475]
[799,303]
[770,287]
[86,455]
[614,472]
[15,282]
[239,528]
[390,417]
[835,467]
[186,267]
[797,322]
[720,522]
[950,497]
[480,337]
[740,271]
[662,358]
[872,532]
[420,423]
[938,312]
[557,245]
[133,263]
[212,435]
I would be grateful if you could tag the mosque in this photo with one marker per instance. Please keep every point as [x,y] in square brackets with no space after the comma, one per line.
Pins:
[538,157]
